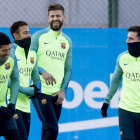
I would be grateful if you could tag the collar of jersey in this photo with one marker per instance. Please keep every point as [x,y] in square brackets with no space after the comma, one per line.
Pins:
[134,58]
[21,50]
[54,33]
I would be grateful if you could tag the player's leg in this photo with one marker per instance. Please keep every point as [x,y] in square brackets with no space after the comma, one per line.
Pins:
[57,108]
[45,111]
[43,132]
[126,125]
[20,125]
[137,119]
[27,121]
[11,134]
[8,129]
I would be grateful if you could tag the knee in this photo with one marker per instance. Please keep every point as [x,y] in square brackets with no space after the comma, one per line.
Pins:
[23,135]
[53,131]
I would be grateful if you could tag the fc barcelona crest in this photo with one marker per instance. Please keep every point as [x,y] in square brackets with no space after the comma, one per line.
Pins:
[32,60]
[44,101]
[16,116]
[63,45]
[121,133]
[7,66]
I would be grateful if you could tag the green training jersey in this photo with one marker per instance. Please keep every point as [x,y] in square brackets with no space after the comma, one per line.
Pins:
[54,54]
[128,68]
[9,70]
[28,69]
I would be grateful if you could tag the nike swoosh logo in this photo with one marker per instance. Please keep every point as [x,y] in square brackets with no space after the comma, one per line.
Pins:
[18,59]
[126,64]
[46,43]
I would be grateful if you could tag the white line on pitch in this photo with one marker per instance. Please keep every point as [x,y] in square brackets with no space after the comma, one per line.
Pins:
[88,124]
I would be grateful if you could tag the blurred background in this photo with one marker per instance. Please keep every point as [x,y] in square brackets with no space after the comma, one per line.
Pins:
[80,13]
[97,29]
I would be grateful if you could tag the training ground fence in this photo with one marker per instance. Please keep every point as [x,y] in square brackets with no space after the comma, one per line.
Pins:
[79,13]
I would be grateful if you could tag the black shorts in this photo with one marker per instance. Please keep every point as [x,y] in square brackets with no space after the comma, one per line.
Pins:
[6,124]
[129,124]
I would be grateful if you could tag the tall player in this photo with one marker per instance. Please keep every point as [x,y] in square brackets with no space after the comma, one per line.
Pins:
[54,52]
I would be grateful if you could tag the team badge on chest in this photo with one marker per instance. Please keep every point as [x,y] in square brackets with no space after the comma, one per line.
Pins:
[7,66]
[32,60]
[63,45]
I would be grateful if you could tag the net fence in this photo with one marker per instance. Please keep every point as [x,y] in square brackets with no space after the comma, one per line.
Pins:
[79,13]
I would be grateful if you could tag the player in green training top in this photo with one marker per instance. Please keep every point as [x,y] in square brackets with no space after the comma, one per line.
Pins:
[54,52]
[8,69]
[128,68]
[28,69]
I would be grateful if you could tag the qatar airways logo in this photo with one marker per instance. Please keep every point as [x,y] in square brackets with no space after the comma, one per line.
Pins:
[4,78]
[89,96]
[26,71]
[55,55]
[133,76]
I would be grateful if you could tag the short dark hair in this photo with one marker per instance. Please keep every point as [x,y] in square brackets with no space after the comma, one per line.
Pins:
[15,27]
[53,7]
[4,39]
[134,29]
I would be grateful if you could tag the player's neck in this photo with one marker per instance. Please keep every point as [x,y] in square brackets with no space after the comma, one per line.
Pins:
[59,31]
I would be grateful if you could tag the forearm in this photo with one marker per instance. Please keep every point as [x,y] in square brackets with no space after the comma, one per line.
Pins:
[29,91]
[112,90]
[66,80]
[41,70]
[14,89]
[67,69]
[14,85]
[35,76]
[115,82]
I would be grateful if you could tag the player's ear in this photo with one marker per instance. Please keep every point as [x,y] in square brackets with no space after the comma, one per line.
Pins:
[48,18]
[64,17]
[15,35]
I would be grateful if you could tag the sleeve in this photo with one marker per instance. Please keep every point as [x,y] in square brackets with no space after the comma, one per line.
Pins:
[67,69]
[115,82]
[34,43]
[34,47]
[29,91]
[14,86]
[35,76]
[40,70]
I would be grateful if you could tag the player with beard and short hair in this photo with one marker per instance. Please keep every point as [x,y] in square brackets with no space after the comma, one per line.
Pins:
[54,52]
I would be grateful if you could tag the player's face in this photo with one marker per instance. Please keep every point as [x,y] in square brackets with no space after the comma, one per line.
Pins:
[56,19]
[132,37]
[24,32]
[5,50]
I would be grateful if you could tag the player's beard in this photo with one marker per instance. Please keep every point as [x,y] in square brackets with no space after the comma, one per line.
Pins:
[58,27]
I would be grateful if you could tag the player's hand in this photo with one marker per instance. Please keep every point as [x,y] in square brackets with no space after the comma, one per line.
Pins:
[49,79]
[61,95]
[36,94]
[104,109]
[11,107]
